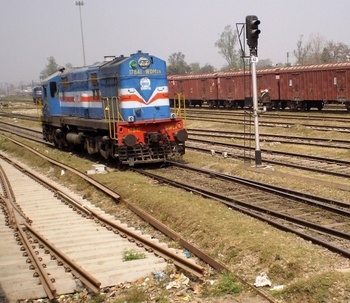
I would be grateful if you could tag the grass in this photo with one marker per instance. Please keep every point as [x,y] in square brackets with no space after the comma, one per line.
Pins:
[226,284]
[133,295]
[131,255]
[321,288]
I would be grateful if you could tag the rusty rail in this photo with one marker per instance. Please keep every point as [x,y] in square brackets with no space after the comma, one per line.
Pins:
[157,249]
[42,273]
[88,280]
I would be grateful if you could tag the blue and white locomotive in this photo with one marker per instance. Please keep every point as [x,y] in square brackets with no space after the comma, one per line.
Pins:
[118,108]
[37,95]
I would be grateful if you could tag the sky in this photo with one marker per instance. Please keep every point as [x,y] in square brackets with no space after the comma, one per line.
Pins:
[32,31]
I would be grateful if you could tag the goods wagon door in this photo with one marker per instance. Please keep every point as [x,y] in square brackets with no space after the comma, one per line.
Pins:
[295,93]
[203,90]
[340,83]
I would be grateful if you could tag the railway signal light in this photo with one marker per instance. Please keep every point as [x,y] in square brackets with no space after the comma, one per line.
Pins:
[252,31]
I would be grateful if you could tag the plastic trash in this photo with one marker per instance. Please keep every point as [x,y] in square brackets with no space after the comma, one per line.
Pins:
[262,280]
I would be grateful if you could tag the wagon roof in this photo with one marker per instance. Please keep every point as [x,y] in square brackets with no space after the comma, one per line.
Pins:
[327,66]
[274,70]
[192,76]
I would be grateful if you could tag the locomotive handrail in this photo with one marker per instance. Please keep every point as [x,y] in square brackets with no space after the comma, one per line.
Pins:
[109,106]
[108,111]
[120,116]
[180,100]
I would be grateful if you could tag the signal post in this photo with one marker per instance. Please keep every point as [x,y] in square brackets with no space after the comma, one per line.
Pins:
[252,35]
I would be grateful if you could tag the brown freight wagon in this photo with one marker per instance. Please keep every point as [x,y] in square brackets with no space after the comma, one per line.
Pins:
[305,87]
[193,88]
[296,88]
[233,88]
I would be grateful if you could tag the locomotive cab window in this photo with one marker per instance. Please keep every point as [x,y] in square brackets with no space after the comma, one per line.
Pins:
[64,82]
[94,79]
[53,90]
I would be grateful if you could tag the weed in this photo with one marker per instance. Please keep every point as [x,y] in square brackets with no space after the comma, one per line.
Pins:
[133,295]
[315,289]
[98,298]
[225,285]
[131,254]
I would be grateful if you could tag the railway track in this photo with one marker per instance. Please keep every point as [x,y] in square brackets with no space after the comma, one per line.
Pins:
[321,117]
[264,123]
[323,165]
[323,221]
[164,229]
[73,244]
[271,138]
[246,120]
[334,167]
[19,116]
[304,162]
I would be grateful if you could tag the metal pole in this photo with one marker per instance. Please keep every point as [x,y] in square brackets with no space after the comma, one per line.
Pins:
[80,3]
[253,60]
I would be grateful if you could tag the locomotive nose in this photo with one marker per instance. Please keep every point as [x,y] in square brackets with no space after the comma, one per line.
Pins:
[181,135]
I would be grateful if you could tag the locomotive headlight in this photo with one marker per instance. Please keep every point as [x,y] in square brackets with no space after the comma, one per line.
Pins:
[181,135]
[129,140]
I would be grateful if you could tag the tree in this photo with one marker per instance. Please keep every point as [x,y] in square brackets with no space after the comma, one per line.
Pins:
[195,67]
[316,46]
[207,68]
[264,63]
[318,50]
[302,52]
[335,52]
[177,64]
[226,45]
[50,68]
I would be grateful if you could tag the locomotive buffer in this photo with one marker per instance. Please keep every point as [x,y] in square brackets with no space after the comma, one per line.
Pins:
[252,35]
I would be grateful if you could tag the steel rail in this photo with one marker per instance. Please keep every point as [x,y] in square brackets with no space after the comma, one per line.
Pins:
[272,124]
[88,280]
[42,274]
[291,116]
[7,197]
[247,209]
[216,265]
[328,172]
[176,237]
[16,220]
[165,253]
[193,249]
[311,141]
[273,152]
[198,271]
[93,182]
[285,192]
